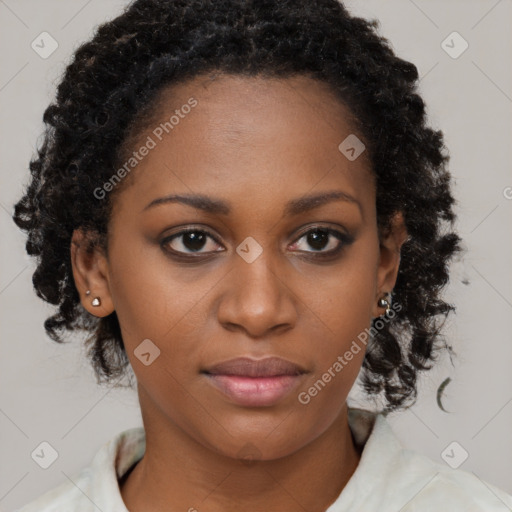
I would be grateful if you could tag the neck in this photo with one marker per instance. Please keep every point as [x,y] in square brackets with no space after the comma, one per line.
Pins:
[178,473]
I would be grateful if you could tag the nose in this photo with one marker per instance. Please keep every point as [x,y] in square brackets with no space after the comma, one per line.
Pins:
[256,299]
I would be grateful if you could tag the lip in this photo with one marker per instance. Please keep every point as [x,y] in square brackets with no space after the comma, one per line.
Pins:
[249,367]
[255,382]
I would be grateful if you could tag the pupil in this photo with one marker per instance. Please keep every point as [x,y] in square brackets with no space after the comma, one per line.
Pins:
[318,239]
[193,241]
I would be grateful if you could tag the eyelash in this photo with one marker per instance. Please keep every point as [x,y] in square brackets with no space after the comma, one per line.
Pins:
[343,238]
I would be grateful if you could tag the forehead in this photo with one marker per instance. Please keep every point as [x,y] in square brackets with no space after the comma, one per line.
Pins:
[239,137]
[234,106]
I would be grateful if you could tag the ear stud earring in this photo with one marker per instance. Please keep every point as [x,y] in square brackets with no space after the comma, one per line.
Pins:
[96,301]
[385,302]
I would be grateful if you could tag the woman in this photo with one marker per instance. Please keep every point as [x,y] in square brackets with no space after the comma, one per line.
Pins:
[242,202]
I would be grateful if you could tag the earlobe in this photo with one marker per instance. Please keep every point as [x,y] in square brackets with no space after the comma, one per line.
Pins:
[90,272]
[389,262]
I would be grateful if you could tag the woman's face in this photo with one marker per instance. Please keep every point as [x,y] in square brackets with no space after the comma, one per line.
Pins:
[257,277]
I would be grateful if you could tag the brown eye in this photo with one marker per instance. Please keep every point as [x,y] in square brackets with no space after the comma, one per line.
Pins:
[322,238]
[189,241]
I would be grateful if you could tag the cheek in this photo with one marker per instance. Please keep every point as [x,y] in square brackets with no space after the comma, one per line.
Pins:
[161,302]
[151,296]
[347,293]
[344,303]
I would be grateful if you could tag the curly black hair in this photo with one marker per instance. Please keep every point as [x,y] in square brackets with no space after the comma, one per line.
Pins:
[114,79]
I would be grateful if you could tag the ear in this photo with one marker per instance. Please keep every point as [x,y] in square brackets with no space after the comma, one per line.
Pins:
[91,272]
[389,261]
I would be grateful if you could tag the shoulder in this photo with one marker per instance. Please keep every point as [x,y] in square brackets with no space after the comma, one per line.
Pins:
[96,486]
[66,496]
[429,485]
[390,477]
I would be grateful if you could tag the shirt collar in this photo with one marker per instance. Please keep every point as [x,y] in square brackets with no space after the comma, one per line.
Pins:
[370,431]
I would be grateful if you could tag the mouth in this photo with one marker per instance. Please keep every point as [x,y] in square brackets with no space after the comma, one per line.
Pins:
[255,383]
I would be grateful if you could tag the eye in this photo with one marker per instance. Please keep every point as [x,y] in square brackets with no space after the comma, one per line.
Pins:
[320,238]
[192,240]
[189,241]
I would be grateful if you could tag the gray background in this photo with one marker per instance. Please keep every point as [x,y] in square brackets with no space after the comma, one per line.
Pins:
[48,392]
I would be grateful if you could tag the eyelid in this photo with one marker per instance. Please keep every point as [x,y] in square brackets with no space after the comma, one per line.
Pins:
[190,229]
[312,227]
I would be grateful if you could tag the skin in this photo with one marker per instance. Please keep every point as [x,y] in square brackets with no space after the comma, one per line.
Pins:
[256,143]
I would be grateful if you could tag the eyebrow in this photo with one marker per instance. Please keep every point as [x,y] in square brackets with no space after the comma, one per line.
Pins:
[221,207]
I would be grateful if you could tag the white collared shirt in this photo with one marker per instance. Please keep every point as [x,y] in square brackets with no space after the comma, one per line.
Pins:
[388,478]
